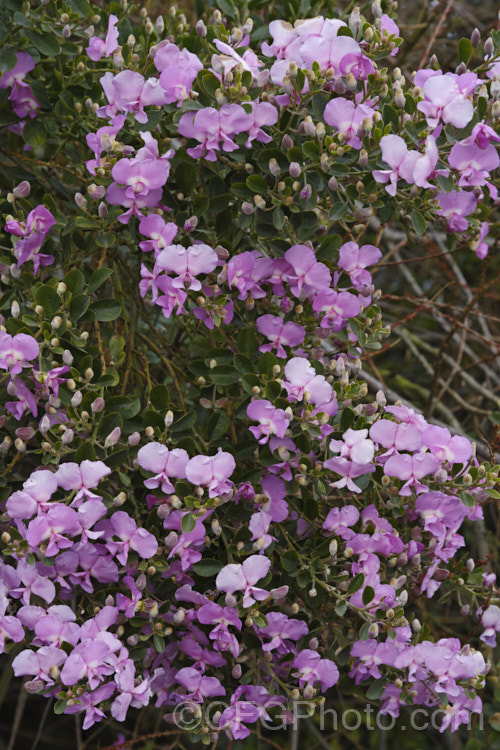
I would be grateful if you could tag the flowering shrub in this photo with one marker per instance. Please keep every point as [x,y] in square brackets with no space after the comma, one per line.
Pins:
[199,498]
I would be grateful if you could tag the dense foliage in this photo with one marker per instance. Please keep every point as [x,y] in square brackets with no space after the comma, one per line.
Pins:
[203,508]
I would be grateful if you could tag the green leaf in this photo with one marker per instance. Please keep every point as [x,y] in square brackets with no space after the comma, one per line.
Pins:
[45,43]
[246,342]
[8,61]
[60,706]
[466,499]
[376,689]
[224,375]
[105,239]
[464,50]
[311,150]
[159,643]
[188,523]
[290,560]
[106,310]
[445,183]
[368,595]
[84,223]
[48,298]
[389,115]
[341,608]
[356,583]
[266,363]
[78,306]
[256,183]
[347,418]
[278,218]
[418,221]
[160,397]
[185,177]
[201,204]
[81,7]
[34,133]
[116,347]
[207,568]
[74,280]
[185,423]
[98,278]
[218,425]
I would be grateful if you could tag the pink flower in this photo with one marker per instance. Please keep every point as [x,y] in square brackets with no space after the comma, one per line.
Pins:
[272,421]
[164,463]
[99,47]
[178,68]
[474,164]
[302,382]
[347,117]
[243,577]
[214,129]
[455,206]
[17,351]
[24,64]
[337,306]
[446,98]
[83,478]
[212,472]
[128,91]
[186,264]
[160,234]
[411,469]
[279,333]
[308,273]
[354,261]
[312,668]
[355,446]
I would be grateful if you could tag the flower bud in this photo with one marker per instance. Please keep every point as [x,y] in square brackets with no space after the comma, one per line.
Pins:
[149,431]
[160,25]
[96,192]
[76,399]
[102,210]
[169,418]
[66,32]
[247,208]
[332,183]
[67,437]
[97,405]
[89,373]
[80,201]
[44,424]
[475,37]
[237,671]
[15,310]
[489,47]
[112,438]
[134,438]
[274,167]
[119,499]
[22,190]
[217,16]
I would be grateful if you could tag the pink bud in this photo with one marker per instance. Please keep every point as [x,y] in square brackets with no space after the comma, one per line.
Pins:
[97,405]
[134,438]
[22,190]
[112,438]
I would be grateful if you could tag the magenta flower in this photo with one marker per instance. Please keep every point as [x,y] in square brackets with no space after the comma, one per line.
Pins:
[312,668]
[128,91]
[340,520]
[51,528]
[230,59]
[104,140]
[39,664]
[160,234]
[33,583]
[10,629]
[90,660]
[272,421]
[214,127]
[303,383]
[354,446]
[455,206]
[130,693]
[186,264]
[164,463]
[197,686]
[347,118]
[178,68]
[263,113]
[17,351]
[234,718]
[396,437]
[279,334]
[308,273]
[337,308]
[140,176]
[26,400]
[454,450]
[348,471]
[99,47]
[342,53]
[280,629]
[83,478]
[246,271]
[212,472]
[32,235]
[388,28]
[354,261]
[479,246]
[474,164]
[490,620]
[411,469]
[23,100]
[258,526]
[24,64]
[243,577]
[446,98]
[33,498]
